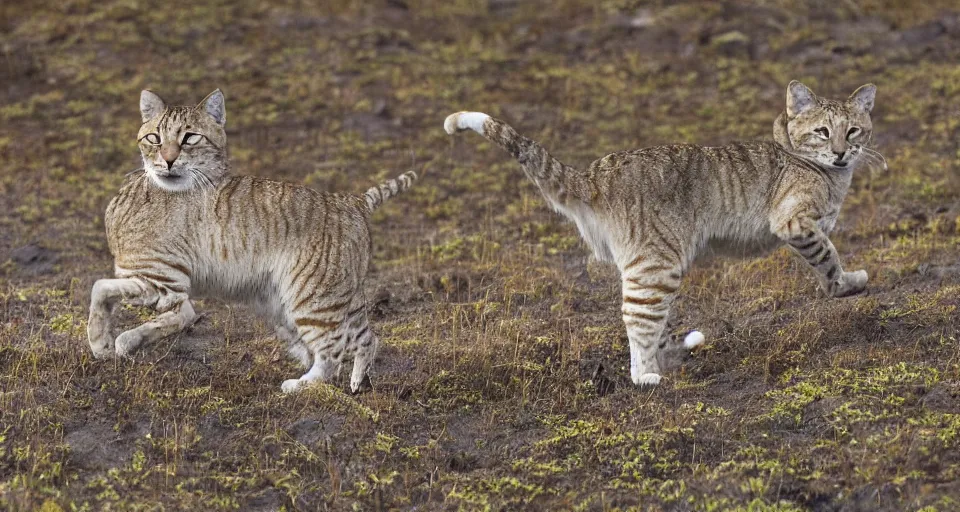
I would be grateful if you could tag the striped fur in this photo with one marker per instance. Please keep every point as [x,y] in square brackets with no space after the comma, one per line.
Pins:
[653,211]
[377,195]
[190,229]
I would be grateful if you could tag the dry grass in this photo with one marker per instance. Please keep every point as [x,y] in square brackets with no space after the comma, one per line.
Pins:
[493,320]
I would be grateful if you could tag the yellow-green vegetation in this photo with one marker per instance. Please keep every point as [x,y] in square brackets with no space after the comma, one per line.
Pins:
[487,394]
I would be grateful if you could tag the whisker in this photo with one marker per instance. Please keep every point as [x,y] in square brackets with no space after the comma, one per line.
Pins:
[876,156]
[210,185]
[195,178]
[201,179]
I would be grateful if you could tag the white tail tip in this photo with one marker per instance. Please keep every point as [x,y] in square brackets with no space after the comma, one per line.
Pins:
[693,339]
[465,121]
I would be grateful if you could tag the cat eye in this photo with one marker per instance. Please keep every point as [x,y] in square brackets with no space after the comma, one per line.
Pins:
[823,132]
[853,132]
[190,139]
[152,138]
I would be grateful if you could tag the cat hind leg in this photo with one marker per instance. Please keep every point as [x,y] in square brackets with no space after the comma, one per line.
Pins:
[648,290]
[320,338]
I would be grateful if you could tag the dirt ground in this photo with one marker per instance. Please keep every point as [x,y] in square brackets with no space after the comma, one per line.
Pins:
[503,381]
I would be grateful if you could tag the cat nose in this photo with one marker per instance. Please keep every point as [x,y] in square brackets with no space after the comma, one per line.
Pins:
[840,154]
[170,155]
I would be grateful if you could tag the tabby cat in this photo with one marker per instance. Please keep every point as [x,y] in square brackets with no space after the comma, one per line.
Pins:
[652,211]
[183,227]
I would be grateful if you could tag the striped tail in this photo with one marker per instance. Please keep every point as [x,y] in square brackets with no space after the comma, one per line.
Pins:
[554,178]
[377,195]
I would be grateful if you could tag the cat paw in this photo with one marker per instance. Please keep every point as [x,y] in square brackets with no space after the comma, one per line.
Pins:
[359,385]
[291,385]
[127,342]
[102,347]
[647,380]
[851,283]
[99,338]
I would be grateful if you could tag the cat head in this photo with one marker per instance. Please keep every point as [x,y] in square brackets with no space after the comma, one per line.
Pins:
[831,133]
[183,147]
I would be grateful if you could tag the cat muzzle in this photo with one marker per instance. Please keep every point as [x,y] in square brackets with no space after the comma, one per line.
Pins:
[839,162]
[167,174]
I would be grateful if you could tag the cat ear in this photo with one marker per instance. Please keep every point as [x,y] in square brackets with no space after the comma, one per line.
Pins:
[213,104]
[799,99]
[151,105]
[863,97]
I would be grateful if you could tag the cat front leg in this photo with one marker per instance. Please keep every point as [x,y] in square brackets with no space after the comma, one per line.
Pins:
[649,287]
[177,318]
[103,297]
[804,235]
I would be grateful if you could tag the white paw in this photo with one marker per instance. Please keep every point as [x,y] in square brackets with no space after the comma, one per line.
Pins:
[859,278]
[291,385]
[102,346]
[647,380]
[693,339]
[465,121]
[127,343]
[360,384]
[851,283]
[98,337]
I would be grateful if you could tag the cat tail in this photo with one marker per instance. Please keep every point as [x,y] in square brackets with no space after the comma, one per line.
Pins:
[554,178]
[377,195]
